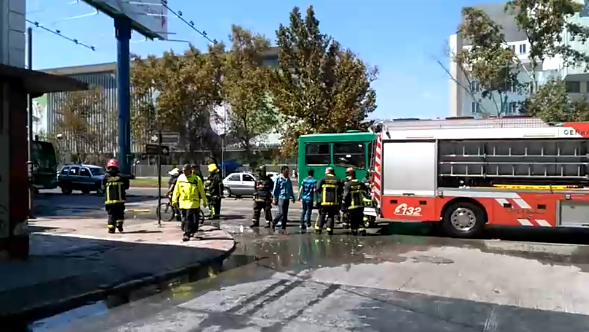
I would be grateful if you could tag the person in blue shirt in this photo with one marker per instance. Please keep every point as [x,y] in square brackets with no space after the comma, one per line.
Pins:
[307,196]
[282,194]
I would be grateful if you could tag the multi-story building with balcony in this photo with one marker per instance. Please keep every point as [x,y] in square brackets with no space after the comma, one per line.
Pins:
[465,94]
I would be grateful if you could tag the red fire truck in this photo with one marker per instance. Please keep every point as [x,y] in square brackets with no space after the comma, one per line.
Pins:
[466,173]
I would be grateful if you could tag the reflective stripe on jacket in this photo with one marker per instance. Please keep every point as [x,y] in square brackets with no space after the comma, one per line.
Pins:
[353,197]
[188,193]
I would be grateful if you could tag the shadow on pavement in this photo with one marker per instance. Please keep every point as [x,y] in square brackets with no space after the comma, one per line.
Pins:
[65,272]
[276,294]
[528,234]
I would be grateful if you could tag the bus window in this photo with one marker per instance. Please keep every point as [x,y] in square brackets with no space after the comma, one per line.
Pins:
[349,154]
[317,154]
[370,151]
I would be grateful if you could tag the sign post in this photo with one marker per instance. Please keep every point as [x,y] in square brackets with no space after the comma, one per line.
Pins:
[158,150]
[159,176]
[149,18]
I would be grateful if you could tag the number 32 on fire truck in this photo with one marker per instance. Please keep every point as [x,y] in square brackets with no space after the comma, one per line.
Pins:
[405,210]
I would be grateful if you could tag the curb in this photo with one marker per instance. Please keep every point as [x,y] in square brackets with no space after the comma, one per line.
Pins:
[45,310]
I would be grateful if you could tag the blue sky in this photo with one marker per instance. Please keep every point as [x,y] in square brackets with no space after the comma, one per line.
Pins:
[403,38]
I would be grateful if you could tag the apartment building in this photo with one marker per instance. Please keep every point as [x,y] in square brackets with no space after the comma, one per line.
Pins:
[465,94]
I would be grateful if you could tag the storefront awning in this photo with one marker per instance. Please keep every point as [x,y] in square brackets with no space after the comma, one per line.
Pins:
[37,83]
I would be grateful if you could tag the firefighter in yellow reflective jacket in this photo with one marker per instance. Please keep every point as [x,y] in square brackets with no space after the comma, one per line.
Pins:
[329,190]
[353,202]
[188,193]
[115,184]
[214,190]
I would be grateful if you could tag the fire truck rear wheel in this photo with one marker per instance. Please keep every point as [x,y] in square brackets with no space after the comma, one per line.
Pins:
[463,219]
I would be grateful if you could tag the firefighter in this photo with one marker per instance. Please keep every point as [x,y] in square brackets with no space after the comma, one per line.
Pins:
[214,189]
[262,197]
[187,196]
[329,190]
[115,184]
[353,202]
[342,218]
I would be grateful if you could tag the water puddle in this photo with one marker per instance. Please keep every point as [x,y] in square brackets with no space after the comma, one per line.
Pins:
[182,285]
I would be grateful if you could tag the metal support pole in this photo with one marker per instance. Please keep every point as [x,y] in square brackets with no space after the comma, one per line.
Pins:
[30,127]
[223,156]
[123,34]
[159,177]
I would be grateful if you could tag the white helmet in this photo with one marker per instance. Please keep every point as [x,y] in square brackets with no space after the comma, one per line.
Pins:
[174,172]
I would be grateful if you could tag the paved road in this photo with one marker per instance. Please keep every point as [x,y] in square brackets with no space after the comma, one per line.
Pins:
[237,215]
[304,282]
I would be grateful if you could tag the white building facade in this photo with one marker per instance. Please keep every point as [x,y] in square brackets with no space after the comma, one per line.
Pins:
[465,94]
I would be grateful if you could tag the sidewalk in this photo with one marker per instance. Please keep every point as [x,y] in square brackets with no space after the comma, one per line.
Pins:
[75,261]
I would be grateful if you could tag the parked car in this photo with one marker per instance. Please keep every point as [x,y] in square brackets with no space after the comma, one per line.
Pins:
[239,184]
[85,178]
[273,175]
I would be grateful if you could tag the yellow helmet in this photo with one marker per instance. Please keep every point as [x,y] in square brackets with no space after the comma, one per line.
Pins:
[212,168]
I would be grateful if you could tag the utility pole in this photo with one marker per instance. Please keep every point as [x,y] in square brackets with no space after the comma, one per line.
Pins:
[30,127]
[159,174]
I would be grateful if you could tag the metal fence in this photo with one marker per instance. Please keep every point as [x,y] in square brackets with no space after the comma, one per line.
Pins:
[151,170]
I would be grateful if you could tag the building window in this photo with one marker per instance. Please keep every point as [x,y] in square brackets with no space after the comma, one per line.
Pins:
[511,108]
[317,154]
[349,154]
[475,107]
[474,86]
[522,48]
[573,86]
[512,48]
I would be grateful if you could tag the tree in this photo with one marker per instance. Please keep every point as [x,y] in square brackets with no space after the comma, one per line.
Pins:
[552,103]
[79,119]
[319,86]
[487,60]
[178,93]
[543,22]
[246,88]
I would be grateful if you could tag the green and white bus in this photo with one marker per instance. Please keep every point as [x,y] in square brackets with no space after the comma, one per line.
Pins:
[340,151]
[45,165]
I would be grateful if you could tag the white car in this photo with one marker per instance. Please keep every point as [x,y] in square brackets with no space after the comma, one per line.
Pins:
[239,184]
[273,175]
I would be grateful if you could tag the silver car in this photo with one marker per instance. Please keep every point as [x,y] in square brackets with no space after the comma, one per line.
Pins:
[239,184]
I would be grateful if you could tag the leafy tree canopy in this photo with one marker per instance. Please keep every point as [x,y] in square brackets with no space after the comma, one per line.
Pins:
[543,22]
[552,103]
[494,65]
[177,93]
[246,86]
[319,86]
[80,117]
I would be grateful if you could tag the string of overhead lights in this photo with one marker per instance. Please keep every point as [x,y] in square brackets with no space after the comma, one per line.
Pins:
[178,14]
[58,33]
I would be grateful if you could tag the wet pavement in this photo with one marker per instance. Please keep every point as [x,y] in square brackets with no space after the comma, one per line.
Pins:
[308,282]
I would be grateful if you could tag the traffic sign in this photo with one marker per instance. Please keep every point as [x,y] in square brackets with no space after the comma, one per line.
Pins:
[154,149]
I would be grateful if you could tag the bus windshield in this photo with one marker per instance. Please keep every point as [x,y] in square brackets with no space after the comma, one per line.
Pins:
[44,156]
[340,151]
[45,165]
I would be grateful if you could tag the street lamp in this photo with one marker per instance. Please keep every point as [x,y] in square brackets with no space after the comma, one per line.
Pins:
[59,138]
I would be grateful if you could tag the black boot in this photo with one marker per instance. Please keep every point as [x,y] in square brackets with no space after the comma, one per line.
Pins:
[255,224]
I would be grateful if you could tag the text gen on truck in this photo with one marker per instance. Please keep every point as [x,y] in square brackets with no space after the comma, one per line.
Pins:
[467,173]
